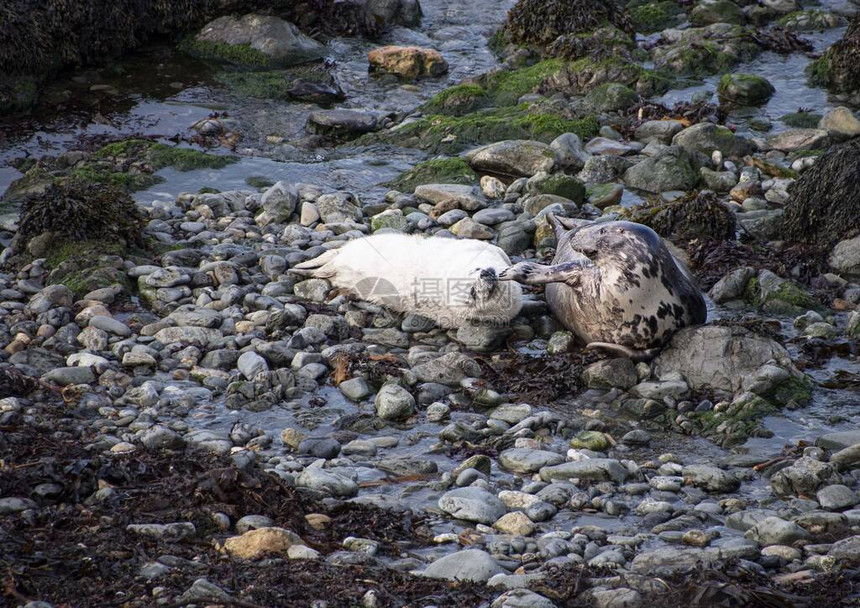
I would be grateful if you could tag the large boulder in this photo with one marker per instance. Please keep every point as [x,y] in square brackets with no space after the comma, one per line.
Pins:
[839,68]
[744,89]
[256,41]
[407,61]
[672,168]
[518,157]
[823,202]
[723,357]
[541,22]
[706,137]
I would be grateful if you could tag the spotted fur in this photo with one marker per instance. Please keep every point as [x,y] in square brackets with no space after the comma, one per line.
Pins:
[616,283]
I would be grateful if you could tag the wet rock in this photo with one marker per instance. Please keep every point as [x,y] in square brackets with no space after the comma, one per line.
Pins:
[514,157]
[64,376]
[845,257]
[202,591]
[15,504]
[847,457]
[251,364]
[717,11]
[527,460]
[469,565]
[670,169]
[658,130]
[521,598]
[172,532]
[339,207]
[710,479]
[256,41]
[731,286]
[719,356]
[776,531]
[846,550]
[198,336]
[616,598]
[315,477]
[836,497]
[793,140]
[158,437]
[744,89]
[262,541]
[316,91]
[472,504]
[672,560]
[355,389]
[603,169]
[278,202]
[707,137]
[407,61]
[341,124]
[593,469]
[805,477]
[393,402]
[448,369]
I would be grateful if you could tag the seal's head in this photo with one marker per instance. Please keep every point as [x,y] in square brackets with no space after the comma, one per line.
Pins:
[605,243]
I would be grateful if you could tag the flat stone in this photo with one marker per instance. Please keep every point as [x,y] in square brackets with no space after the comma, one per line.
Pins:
[262,541]
[472,504]
[526,460]
[594,469]
[468,565]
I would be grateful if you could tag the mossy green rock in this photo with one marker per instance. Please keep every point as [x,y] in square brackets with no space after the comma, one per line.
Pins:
[611,97]
[563,185]
[707,50]
[434,171]
[744,90]
[776,295]
[650,17]
[716,11]
[801,120]
[706,137]
[453,134]
[457,100]
[591,440]
[392,219]
[673,168]
[255,41]
[813,20]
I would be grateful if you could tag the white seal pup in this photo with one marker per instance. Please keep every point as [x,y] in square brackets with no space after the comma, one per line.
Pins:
[616,286]
[449,281]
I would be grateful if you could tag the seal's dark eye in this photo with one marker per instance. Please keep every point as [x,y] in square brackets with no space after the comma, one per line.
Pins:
[603,231]
[621,231]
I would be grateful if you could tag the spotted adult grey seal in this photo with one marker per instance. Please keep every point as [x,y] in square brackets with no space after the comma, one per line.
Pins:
[616,286]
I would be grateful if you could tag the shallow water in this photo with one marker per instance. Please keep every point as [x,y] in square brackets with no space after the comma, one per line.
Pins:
[785,72]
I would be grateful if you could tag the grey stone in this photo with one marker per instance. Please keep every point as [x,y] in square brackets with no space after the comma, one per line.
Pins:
[64,376]
[776,531]
[527,460]
[281,41]
[472,504]
[514,157]
[710,478]
[836,497]
[593,469]
[393,402]
[469,565]
[670,169]
[251,364]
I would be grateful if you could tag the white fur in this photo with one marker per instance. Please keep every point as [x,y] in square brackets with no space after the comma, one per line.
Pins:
[432,277]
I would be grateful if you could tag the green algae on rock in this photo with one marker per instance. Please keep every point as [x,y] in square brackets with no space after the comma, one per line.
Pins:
[651,17]
[741,89]
[452,134]
[434,171]
[707,50]
[457,100]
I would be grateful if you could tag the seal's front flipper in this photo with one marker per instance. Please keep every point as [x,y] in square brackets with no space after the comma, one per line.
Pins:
[529,273]
[624,351]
